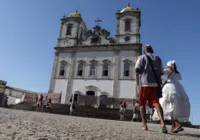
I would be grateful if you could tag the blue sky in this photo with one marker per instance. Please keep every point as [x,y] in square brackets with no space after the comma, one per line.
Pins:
[29,31]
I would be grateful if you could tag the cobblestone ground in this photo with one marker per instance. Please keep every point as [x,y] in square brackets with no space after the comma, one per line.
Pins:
[25,125]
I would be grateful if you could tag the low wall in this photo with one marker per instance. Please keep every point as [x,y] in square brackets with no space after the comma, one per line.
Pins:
[55,97]
[13,100]
[106,102]
[2,99]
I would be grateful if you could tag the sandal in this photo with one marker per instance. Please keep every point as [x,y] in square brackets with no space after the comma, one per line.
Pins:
[164,130]
[181,129]
[176,130]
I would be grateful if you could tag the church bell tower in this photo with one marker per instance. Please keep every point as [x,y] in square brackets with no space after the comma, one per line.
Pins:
[128,25]
[71,30]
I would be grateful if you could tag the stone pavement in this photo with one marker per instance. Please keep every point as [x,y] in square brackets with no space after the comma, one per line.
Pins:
[26,125]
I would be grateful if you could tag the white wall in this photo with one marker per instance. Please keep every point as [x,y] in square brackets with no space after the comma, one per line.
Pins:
[63,57]
[103,86]
[74,29]
[132,39]
[64,37]
[60,86]
[14,93]
[99,56]
[131,55]
[127,89]
[133,24]
[82,29]
[13,100]
[71,42]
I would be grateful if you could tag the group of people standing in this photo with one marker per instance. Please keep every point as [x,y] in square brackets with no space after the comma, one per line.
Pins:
[161,89]
[43,105]
[122,110]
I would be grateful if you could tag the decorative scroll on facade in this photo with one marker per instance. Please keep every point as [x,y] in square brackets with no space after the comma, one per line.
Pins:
[96,34]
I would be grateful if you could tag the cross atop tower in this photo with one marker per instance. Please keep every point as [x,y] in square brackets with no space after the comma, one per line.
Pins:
[97,21]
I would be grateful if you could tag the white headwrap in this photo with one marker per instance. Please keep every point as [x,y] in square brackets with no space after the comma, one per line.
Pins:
[170,63]
[147,45]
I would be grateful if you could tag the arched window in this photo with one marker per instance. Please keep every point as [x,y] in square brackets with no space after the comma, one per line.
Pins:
[127,25]
[69,29]
[93,64]
[127,68]
[63,65]
[80,68]
[106,68]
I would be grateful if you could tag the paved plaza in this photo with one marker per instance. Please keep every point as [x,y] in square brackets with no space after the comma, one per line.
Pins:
[25,125]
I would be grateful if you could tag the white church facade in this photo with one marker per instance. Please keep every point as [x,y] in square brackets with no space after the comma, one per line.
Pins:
[90,62]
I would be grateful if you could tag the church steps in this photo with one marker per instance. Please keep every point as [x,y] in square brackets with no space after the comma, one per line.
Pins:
[82,111]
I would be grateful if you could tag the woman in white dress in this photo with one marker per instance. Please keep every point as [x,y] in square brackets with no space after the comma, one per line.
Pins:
[175,102]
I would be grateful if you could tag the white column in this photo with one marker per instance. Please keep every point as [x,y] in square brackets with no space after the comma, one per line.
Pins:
[116,74]
[70,76]
[53,75]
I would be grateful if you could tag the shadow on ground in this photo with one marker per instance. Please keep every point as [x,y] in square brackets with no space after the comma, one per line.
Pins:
[186,134]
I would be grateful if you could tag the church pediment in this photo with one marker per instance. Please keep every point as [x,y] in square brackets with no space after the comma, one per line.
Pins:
[105,93]
[97,36]
[91,87]
[78,92]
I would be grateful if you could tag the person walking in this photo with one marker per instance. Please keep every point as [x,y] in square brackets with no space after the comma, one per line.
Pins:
[39,103]
[45,104]
[122,109]
[135,111]
[149,68]
[48,107]
[175,101]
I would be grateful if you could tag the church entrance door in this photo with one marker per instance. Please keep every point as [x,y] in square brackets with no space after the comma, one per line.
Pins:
[90,93]
[91,99]
[103,101]
[75,97]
